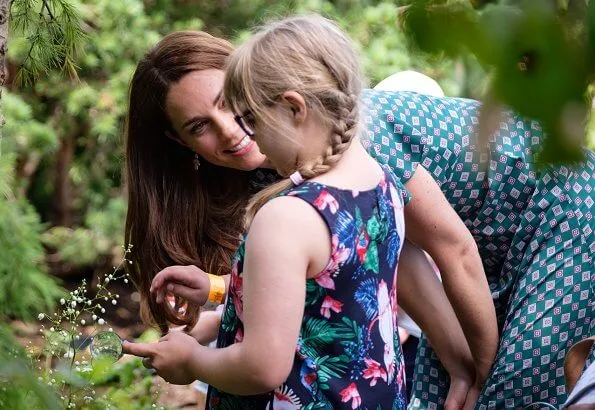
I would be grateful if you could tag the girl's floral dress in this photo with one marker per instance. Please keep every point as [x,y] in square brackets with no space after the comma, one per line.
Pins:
[348,355]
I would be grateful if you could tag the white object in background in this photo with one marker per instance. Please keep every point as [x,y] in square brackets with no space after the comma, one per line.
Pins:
[411,81]
[422,84]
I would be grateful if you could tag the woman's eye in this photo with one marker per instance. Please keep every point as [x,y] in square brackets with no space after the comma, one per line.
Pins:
[198,128]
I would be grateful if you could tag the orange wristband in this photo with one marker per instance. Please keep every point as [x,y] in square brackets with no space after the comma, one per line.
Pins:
[217,289]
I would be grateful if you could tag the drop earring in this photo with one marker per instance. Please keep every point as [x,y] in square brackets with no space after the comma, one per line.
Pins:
[196,162]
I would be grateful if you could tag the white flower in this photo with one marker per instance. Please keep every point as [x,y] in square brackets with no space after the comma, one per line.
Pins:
[125,280]
[83,322]
[73,303]
[101,321]
[94,317]
[51,329]
[62,301]
[102,310]
[40,316]
[114,301]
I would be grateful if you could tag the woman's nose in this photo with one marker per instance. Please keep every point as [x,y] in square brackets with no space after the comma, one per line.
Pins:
[228,129]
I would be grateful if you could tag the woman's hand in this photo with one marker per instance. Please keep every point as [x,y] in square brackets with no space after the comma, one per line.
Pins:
[473,396]
[188,282]
[171,356]
[458,394]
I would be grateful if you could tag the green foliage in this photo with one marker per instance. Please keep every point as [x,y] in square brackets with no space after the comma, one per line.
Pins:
[25,285]
[540,53]
[23,278]
[19,386]
[54,36]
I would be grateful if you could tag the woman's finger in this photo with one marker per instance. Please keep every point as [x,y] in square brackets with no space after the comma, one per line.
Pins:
[180,274]
[185,292]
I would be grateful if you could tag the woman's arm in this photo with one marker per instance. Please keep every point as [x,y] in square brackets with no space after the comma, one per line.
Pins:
[421,294]
[432,224]
[206,329]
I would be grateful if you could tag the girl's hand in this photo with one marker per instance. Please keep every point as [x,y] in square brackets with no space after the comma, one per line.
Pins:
[171,356]
[188,282]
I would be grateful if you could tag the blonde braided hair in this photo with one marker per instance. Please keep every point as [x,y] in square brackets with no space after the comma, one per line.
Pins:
[312,56]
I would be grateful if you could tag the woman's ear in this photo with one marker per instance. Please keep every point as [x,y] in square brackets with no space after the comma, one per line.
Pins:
[173,136]
[297,105]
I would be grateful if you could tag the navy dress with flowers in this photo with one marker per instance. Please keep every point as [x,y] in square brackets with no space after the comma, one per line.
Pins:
[348,354]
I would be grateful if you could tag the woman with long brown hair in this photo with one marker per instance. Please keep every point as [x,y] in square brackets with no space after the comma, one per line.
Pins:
[191,169]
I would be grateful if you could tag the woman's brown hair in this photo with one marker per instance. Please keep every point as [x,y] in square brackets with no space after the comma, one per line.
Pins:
[176,214]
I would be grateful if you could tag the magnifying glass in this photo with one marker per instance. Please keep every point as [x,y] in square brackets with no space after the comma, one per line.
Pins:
[106,345]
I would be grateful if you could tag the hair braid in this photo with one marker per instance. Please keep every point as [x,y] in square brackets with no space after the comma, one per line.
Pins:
[326,74]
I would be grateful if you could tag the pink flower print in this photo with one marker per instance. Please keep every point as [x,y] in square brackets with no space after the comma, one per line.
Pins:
[237,295]
[351,393]
[383,183]
[329,304]
[325,280]
[325,199]
[361,245]
[284,399]
[401,377]
[374,371]
[339,254]
[386,327]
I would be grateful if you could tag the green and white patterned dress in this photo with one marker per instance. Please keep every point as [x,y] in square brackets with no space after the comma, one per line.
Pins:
[533,226]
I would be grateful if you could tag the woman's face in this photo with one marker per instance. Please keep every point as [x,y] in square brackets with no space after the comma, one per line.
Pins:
[196,110]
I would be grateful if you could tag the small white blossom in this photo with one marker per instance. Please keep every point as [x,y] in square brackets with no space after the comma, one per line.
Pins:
[94,317]
[83,322]
[114,301]
[62,301]
[101,321]
[40,316]
[102,310]
[73,303]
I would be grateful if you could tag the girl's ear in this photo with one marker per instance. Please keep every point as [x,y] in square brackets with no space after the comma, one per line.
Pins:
[297,104]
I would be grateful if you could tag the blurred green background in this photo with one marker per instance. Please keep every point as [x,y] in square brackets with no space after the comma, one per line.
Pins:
[63,209]
[62,206]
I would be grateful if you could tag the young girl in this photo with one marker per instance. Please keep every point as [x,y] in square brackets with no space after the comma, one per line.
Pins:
[310,317]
